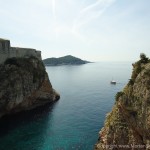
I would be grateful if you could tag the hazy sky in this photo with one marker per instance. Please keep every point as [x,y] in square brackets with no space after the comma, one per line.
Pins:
[95,30]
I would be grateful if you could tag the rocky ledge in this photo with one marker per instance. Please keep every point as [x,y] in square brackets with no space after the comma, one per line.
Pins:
[24,85]
[127,126]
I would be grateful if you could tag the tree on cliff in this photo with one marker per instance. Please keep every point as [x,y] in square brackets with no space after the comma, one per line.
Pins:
[143,58]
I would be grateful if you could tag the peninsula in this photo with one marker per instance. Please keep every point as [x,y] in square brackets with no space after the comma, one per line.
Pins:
[66,60]
[24,80]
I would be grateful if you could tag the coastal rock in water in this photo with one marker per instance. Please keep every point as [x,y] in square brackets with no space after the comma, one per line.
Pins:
[24,85]
[127,126]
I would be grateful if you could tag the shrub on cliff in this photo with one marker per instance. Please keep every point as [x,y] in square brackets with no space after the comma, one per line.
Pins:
[136,70]
[143,58]
[137,67]
[131,82]
[118,95]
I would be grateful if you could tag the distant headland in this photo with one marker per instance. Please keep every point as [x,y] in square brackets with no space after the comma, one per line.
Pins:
[65,60]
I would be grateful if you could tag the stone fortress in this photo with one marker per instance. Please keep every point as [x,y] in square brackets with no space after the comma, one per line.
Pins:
[6,51]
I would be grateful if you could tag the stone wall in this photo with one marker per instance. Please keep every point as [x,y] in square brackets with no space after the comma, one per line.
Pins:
[6,51]
[24,52]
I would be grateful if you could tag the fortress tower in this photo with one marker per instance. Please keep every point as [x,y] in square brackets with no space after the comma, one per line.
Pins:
[4,50]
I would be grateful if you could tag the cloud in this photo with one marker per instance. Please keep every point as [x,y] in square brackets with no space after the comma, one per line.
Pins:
[90,12]
[54,9]
[75,15]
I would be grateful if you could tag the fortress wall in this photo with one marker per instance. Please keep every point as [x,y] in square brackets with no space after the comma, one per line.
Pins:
[24,52]
[21,52]
[38,54]
[30,52]
[3,57]
[8,52]
[12,52]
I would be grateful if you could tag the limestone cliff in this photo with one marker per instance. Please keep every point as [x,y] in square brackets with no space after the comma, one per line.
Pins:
[24,85]
[127,126]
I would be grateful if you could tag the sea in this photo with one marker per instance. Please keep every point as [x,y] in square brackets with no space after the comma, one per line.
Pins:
[73,122]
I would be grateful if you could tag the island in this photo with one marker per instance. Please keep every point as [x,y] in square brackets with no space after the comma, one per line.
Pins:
[65,60]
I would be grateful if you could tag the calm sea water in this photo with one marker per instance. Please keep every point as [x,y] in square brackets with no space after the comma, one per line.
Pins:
[74,121]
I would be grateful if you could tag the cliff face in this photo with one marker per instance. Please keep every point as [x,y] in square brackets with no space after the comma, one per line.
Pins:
[24,85]
[127,126]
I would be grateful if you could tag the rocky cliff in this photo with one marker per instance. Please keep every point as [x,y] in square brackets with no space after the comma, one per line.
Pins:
[127,126]
[24,85]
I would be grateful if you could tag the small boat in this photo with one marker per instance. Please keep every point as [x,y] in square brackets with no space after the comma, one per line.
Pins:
[113,82]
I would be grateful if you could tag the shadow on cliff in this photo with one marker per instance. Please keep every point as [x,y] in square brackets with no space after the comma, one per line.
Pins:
[11,122]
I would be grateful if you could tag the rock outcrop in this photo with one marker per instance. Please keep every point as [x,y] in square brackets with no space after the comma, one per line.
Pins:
[127,126]
[24,85]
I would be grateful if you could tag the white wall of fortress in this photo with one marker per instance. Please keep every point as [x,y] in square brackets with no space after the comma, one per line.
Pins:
[8,52]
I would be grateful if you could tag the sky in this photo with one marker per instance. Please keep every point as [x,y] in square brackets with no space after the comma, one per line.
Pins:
[94,30]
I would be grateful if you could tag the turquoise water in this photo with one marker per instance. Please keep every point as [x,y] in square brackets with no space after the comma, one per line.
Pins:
[74,121]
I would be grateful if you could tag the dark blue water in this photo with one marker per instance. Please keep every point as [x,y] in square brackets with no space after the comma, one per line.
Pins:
[75,120]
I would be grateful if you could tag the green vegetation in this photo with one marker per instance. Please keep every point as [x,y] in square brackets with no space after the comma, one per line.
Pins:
[24,65]
[138,67]
[118,95]
[131,82]
[143,58]
[66,60]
